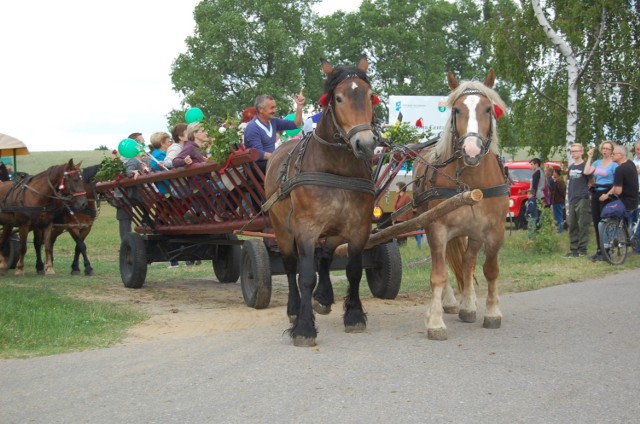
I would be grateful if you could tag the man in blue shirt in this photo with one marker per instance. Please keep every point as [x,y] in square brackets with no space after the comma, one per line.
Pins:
[262,131]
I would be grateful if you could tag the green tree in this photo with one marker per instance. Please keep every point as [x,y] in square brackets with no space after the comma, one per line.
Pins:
[599,39]
[242,48]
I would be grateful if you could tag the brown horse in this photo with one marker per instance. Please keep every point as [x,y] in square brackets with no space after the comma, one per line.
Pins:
[465,158]
[77,223]
[31,203]
[325,192]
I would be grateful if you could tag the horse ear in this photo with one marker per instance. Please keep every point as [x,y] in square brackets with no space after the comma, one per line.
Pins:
[490,79]
[363,65]
[79,165]
[452,81]
[70,163]
[326,66]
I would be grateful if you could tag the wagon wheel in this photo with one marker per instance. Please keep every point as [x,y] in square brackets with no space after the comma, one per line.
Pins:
[384,279]
[226,264]
[133,261]
[255,276]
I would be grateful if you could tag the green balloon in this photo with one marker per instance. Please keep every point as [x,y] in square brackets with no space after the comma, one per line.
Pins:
[294,132]
[128,148]
[193,115]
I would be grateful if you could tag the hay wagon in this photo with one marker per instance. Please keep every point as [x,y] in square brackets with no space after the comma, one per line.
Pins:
[211,212]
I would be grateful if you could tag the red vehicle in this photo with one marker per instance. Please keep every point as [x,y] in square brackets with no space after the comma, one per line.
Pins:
[519,173]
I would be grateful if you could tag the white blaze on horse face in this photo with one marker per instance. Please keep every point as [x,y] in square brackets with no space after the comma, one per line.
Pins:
[354,85]
[471,145]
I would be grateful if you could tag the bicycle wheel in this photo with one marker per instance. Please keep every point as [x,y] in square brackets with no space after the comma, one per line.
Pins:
[613,241]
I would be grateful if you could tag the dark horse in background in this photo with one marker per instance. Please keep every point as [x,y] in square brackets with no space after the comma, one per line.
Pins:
[465,158]
[77,222]
[30,203]
[325,198]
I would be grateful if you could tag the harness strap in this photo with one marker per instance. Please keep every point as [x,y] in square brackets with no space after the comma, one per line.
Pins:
[502,190]
[322,179]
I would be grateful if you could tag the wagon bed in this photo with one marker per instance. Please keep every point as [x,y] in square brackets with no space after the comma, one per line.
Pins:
[197,220]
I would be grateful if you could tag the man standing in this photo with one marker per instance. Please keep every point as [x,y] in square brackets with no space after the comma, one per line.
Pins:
[579,214]
[625,183]
[558,194]
[263,129]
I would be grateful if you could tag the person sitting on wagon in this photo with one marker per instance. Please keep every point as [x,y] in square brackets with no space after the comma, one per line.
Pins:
[160,141]
[261,132]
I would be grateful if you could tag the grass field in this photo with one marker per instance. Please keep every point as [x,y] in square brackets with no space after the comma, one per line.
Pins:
[36,162]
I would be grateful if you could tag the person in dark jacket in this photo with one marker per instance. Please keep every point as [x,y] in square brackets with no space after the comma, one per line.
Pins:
[558,193]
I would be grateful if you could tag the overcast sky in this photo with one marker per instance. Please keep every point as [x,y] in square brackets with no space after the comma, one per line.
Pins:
[78,74]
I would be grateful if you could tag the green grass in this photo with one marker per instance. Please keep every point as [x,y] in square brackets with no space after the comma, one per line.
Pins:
[36,162]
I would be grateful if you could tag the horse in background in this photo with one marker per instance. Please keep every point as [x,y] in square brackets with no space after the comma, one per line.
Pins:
[465,158]
[31,202]
[324,190]
[77,223]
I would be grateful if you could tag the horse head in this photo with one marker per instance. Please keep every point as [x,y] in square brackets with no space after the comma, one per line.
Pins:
[348,101]
[474,110]
[71,185]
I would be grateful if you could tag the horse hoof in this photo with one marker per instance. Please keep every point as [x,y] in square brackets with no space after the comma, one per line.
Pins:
[299,341]
[492,322]
[19,273]
[75,272]
[467,316]
[292,318]
[437,333]
[50,272]
[451,309]
[40,272]
[320,308]
[355,328]
[89,272]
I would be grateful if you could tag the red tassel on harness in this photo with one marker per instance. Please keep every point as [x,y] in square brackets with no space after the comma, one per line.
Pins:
[497,111]
[375,100]
[324,100]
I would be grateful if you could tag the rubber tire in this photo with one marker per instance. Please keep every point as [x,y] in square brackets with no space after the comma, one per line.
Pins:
[613,241]
[227,264]
[255,275]
[384,280]
[133,261]
[14,251]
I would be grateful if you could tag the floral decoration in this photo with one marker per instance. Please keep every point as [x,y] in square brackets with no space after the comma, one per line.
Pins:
[405,133]
[225,138]
[111,168]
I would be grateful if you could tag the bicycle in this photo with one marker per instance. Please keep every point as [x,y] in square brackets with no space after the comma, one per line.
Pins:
[617,234]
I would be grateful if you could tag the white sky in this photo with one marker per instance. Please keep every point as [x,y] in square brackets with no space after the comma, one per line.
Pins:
[78,74]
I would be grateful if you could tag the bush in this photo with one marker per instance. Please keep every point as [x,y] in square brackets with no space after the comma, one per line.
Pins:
[545,239]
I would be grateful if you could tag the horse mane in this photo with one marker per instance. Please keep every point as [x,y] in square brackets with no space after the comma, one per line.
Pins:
[444,148]
[341,73]
[90,172]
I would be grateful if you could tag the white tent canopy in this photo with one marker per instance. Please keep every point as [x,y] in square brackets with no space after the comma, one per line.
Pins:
[11,146]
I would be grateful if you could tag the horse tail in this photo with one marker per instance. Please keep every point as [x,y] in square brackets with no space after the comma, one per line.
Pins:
[455,253]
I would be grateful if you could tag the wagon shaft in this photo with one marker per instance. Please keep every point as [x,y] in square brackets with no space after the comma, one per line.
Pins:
[449,205]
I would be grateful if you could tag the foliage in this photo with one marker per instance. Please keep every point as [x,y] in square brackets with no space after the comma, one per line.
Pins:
[545,240]
[102,147]
[266,40]
[111,168]
[534,71]
[403,133]
[224,138]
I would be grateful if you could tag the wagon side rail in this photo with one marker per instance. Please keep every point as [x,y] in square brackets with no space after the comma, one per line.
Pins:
[204,198]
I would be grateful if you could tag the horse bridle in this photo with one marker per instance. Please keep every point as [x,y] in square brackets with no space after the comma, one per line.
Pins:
[339,133]
[458,140]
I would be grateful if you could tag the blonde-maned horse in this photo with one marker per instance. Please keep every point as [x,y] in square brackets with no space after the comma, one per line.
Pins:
[465,158]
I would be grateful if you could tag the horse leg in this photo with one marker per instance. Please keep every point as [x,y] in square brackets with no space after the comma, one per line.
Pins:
[493,315]
[304,331]
[37,246]
[436,329]
[355,319]
[293,302]
[48,250]
[449,301]
[75,265]
[323,295]
[468,300]
[24,232]
[5,248]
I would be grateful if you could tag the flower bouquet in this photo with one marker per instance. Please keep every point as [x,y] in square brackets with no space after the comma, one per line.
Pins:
[224,139]
[111,168]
